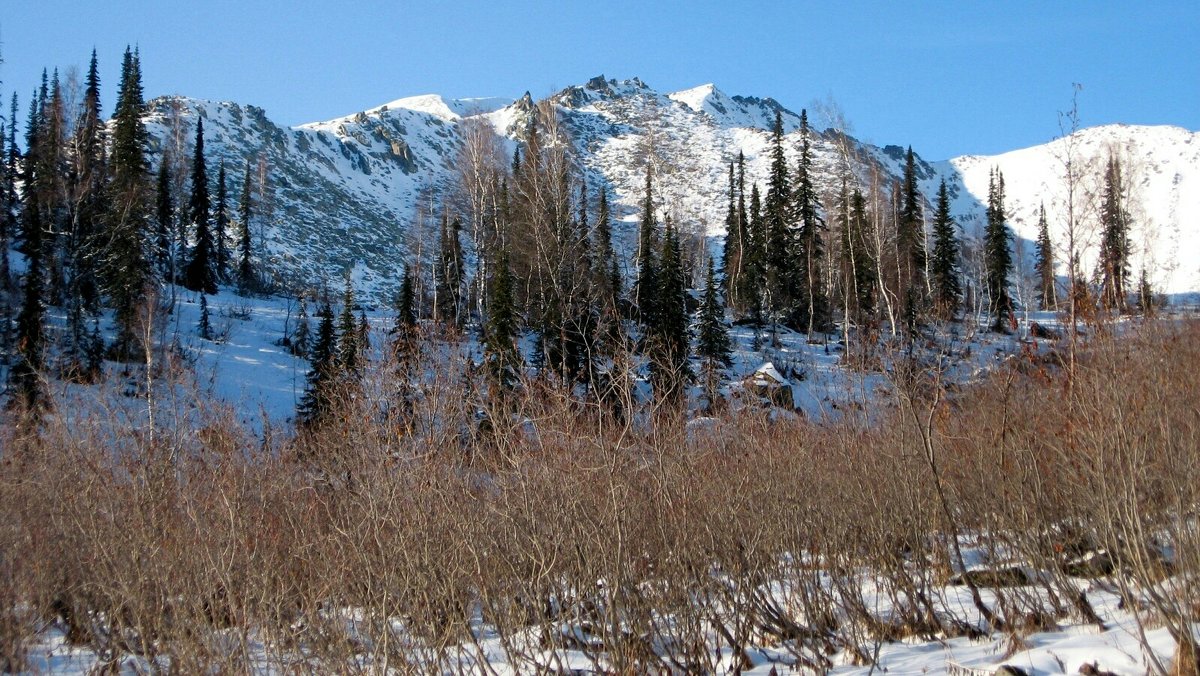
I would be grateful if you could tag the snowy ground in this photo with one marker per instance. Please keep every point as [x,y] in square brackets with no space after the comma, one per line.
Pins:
[1116,649]
[246,366]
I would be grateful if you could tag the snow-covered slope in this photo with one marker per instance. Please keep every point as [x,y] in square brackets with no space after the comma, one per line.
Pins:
[1161,167]
[346,192]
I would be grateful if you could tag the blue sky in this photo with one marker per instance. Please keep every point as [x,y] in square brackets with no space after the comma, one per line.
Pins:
[948,78]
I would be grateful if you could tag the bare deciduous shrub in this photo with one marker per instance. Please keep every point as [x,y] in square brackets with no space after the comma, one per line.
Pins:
[420,530]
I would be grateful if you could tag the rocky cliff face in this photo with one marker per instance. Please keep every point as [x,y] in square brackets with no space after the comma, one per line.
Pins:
[346,193]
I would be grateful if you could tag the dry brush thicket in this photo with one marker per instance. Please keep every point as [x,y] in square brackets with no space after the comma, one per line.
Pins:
[415,538]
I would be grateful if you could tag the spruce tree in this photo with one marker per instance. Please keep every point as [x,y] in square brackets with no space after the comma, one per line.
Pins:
[165,222]
[1044,264]
[448,272]
[10,199]
[51,190]
[348,353]
[712,339]
[364,337]
[910,243]
[502,358]
[1146,301]
[943,266]
[221,226]
[1114,240]
[205,321]
[606,272]
[404,330]
[779,259]
[731,254]
[126,267]
[997,255]
[742,287]
[322,373]
[26,375]
[647,281]
[756,274]
[810,250]
[667,348]
[301,335]
[406,307]
[89,193]
[866,272]
[200,275]
[246,279]
[5,207]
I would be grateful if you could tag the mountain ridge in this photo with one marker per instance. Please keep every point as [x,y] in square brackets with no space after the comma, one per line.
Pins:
[350,191]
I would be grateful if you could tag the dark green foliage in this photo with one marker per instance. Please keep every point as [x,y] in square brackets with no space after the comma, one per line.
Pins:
[667,340]
[739,256]
[404,343]
[1044,264]
[605,271]
[322,375]
[221,226]
[10,199]
[779,273]
[364,336]
[299,341]
[205,321]
[349,354]
[1147,302]
[911,215]
[449,273]
[943,265]
[812,311]
[859,274]
[756,262]
[165,222]
[126,267]
[94,353]
[50,189]
[406,307]
[1114,239]
[997,255]
[246,278]
[26,375]
[501,357]
[647,281]
[910,243]
[712,336]
[200,275]
[89,199]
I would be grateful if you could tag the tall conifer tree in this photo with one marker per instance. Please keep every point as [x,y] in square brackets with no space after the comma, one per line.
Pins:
[200,274]
[647,281]
[348,351]
[712,339]
[322,375]
[779,260]
[943,266]
[668,340]
[126,268]
[997,255]
[221,226]
[501,357]
[809,285]
[1114,239]
[1044,264]
[246,279]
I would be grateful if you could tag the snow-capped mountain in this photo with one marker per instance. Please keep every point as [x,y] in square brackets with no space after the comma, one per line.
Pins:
[1161,172]
[347,192]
